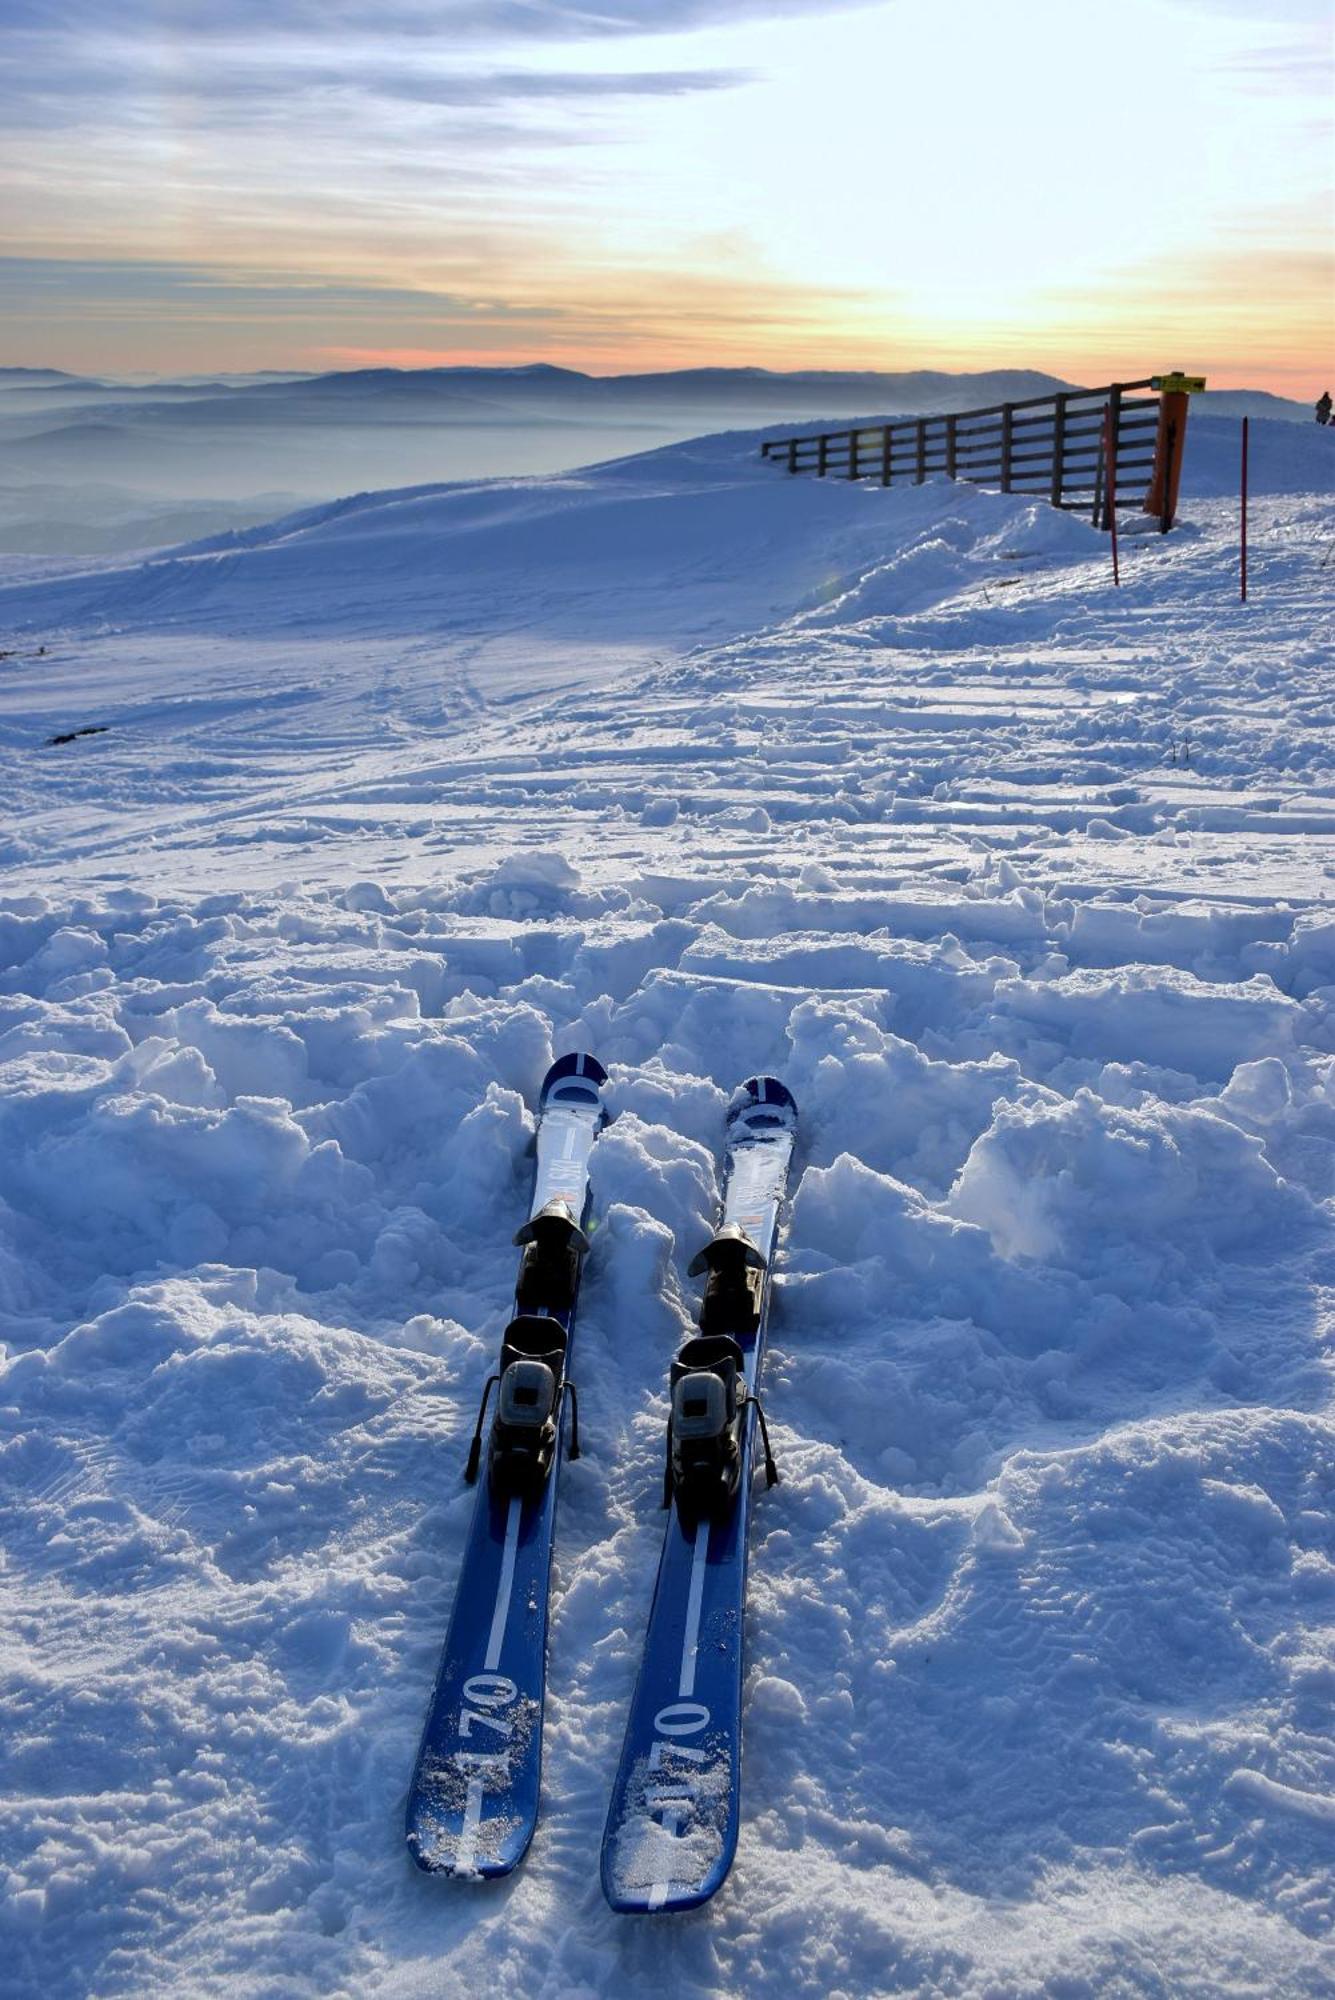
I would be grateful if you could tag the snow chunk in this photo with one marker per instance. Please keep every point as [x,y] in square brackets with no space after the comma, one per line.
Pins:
[525,884]
[1100,1188]
[1254,1786]
[994,1530]
[1259,1090]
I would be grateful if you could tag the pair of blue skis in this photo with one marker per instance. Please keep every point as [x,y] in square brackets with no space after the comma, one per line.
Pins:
[672,1823]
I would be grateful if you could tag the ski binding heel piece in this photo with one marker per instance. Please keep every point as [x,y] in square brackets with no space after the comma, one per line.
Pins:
[734,1273]
[554,1248]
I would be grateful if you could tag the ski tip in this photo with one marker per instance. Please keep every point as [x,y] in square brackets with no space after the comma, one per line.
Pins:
[764,1094]
[573,1079]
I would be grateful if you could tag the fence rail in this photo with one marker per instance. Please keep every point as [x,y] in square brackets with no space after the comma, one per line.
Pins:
[1051,446]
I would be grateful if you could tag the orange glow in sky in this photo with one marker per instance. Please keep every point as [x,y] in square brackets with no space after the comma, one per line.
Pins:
[899,184]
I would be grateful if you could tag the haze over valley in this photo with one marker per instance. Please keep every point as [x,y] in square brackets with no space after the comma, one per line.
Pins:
[98,466]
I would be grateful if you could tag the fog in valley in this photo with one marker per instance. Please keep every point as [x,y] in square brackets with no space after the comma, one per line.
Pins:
[98,467]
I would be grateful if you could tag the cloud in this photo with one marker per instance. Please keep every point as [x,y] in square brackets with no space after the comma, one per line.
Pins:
[1287,70]
[445,22]
[67,69]
[155,289]
[145,309]
[232,92]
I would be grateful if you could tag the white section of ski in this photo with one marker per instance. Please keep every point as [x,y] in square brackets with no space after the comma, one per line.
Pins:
[660,1892]
[690,1645]
[505,1586]
[671,1816]
[466,1850]
[565,1141]
[758,1173]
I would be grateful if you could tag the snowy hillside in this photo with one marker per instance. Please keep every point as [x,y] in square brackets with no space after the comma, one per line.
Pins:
[1021,883]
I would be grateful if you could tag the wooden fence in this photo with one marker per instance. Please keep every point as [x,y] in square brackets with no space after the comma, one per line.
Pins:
[1050,446]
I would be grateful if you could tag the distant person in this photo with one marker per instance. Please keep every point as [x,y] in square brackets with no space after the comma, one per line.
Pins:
[1323,409]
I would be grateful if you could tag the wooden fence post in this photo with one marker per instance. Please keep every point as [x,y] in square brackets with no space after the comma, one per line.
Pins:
[887,434]
[1110,482]
[1007,419]
[1244,510]
[1170,475]
[1096,517]
[822,454]
[854,450]
[792,454]
[921,473]
[1059,450]
[1112,417]
[950,447]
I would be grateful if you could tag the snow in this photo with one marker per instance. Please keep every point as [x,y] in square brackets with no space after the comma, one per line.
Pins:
[1020,882]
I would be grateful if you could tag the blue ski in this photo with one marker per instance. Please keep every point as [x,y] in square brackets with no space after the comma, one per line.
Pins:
[672,1823]
[473,1803]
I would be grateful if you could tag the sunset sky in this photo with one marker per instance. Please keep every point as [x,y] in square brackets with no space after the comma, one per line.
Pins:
[1093,189]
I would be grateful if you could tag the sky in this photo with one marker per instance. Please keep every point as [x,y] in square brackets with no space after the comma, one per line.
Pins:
[1098,190]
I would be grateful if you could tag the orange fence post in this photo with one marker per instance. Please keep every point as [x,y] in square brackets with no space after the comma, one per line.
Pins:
[1167,474]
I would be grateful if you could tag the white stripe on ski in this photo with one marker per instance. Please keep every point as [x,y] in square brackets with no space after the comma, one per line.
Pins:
[466,1850]
[505,1586]
[690,1645]
[660,1892]
[467,1846]
[670,1816]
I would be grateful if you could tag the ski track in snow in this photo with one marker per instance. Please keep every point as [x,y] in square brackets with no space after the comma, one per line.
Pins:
[709,772]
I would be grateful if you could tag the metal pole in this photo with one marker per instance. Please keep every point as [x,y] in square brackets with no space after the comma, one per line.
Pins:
[1244,510]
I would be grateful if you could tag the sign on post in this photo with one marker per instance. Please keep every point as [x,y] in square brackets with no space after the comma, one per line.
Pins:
[1178,385]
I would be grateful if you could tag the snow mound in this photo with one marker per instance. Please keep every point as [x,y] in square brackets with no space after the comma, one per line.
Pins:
[688,543]
[1071,1183]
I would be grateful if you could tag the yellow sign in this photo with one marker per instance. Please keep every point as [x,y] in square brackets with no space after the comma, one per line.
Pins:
[1178,385]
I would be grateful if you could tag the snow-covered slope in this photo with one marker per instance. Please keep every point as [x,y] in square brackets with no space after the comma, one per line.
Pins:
[692,541]
[1023,885]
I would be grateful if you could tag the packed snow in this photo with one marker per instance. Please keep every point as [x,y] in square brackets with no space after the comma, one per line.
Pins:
[1020,881]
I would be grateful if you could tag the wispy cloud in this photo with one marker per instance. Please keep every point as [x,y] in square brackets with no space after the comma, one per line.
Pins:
[445,22]
[639,182]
